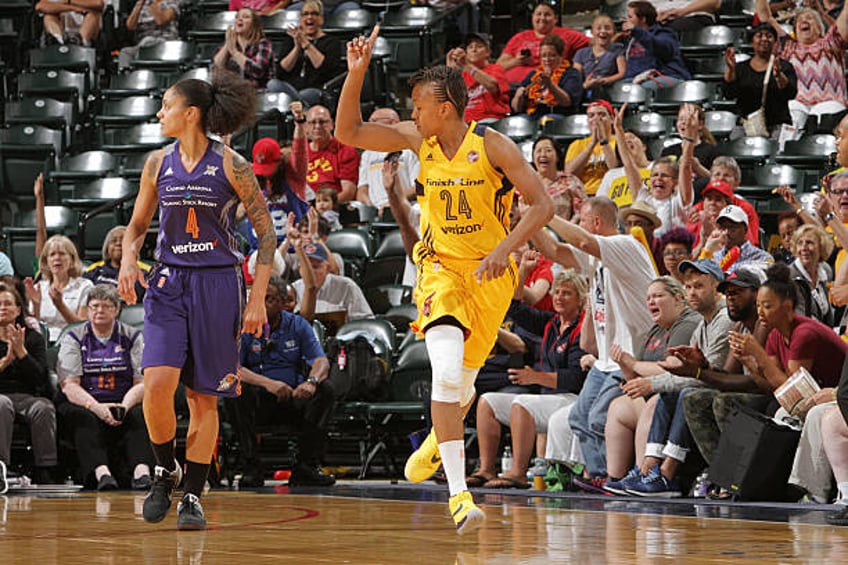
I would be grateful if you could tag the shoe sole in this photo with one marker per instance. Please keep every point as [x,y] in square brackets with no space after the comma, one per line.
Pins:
[473,521]
[655,494]
[191,526]
[617,491]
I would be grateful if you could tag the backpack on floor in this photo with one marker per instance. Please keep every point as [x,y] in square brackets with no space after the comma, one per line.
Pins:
[358,370]
[754,457]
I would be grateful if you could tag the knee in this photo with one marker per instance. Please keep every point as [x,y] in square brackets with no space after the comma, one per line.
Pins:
[7,409]
[833,424]
[42,409]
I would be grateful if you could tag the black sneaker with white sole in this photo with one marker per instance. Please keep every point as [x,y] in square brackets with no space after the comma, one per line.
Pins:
[158,500]
[190,513]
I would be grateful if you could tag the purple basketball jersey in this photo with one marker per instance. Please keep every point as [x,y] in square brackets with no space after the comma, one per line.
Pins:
[196,211]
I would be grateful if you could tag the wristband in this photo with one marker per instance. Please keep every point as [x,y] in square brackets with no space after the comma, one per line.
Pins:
[829,217]
[689,139]
[313,381]
[603,142]
[301,120]
[799,210]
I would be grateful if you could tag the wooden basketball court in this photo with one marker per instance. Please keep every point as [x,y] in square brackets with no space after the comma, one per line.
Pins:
[381,523]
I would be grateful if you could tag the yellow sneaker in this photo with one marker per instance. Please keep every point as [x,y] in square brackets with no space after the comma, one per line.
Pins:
[424,461]
[465,513]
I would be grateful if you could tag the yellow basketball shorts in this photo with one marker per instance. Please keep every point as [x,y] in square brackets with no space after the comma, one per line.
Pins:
[448,287]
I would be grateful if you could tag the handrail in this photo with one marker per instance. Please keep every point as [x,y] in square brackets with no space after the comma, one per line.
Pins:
[86,216]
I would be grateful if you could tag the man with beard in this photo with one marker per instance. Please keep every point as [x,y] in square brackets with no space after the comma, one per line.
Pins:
[707,409]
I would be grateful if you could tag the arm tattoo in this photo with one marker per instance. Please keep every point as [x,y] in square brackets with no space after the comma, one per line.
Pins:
[248,191]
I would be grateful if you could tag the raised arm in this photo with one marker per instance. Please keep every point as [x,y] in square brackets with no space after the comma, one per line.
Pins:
[634,176]
[842,22]
[576,236]
[350,129]
[763,11]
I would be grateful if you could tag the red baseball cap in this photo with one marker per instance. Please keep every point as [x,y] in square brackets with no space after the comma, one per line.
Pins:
[266,155]
[606,105]
[719,186]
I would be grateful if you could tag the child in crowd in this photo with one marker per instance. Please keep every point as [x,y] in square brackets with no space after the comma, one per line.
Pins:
[327,204]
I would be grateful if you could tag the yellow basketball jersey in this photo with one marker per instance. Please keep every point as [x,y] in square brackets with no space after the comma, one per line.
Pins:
[464,201]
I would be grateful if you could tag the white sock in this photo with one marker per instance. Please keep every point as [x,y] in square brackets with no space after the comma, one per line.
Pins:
[100,471]
[141,470]
[842,495]
[59,38]
[453,460]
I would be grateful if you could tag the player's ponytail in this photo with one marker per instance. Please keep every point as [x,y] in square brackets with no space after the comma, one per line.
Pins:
[226,105]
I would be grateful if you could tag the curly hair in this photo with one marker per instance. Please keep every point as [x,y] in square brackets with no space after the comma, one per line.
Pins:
[226,105]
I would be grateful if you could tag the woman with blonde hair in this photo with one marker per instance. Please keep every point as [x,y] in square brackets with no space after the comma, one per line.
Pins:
[811,247]
[559,379]
[60,297]
[246,50]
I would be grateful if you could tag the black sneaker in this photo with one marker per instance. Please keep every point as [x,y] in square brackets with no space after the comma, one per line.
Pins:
[838,517]
[158,500]
[107,482]
[144,482]
[190,514]
[308,476]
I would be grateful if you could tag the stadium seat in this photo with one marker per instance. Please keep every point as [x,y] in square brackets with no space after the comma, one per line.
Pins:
[345,24]
[567,129]
[43,112]
[809,151]
[134,83]
[123,113]
[709,40]
[648,124]
[67,86]
[20,238]
[276,25]
[140,138]
[720,123]
[168,55]
[83,167]
[355,246]
[382,330]
[102,204]
[212,28]
[518,127]
[751,150]
[634,95]
[668,100]
[26,151]
[68,57]
[356,214]
[132,314]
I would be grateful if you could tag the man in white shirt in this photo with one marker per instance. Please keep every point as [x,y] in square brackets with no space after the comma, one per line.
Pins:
[372,190]
[335,292]
[620,270]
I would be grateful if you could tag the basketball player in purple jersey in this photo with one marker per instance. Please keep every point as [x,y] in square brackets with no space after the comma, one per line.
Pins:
[195,299]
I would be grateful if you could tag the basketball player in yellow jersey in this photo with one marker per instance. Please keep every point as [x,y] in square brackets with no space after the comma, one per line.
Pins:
[465,273]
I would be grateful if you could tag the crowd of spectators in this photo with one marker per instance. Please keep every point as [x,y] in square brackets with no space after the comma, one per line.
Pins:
[652,314]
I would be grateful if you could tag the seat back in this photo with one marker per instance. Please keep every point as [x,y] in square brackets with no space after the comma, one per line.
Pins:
[383,330]
[751,149]
[69,57]
[165,55]
[518,127]
[139,138]
[412,373]
[568,128]
[355,246]
[777,175]
[632,94]
[132,314]
[65,85]
[48,112]
[133,83]
[648,124]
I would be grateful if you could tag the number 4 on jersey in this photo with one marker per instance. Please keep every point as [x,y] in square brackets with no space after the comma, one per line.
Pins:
[191,224]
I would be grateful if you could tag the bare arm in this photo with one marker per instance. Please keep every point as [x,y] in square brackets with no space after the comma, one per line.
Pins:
[842,22]
[350,129]
[40,220]
[240,175]
[576,236]
[89,5]
[761,7]
[145,207]
[134,395]
[506,156]
[554,250]
[348,191]
[400,207]
[511,341]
